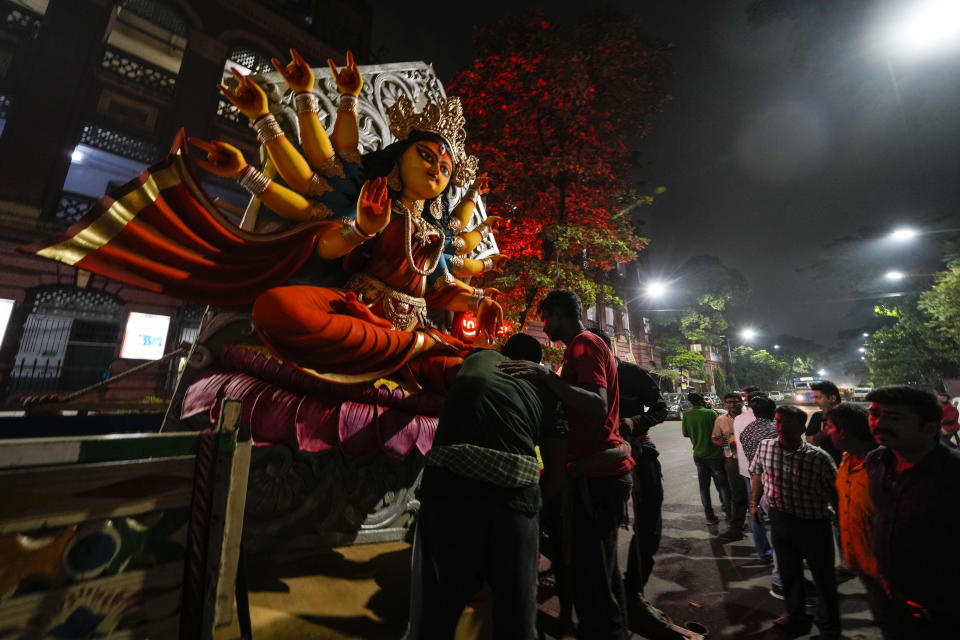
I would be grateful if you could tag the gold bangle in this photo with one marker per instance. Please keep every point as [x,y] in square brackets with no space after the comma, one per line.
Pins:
[254,181]
[352,233]
[473,302]
[487,264]
[472,195]
[482,229]
[458,244]
[267,128]
[456,262]
[454,224]
[348,103]
[307,102]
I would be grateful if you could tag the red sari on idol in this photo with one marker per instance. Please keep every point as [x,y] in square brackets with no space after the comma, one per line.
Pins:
[375,325]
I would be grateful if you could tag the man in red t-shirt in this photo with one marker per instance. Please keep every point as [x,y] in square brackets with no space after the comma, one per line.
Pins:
[598,461]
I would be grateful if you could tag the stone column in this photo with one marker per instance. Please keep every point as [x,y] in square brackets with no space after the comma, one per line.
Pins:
[48,105]
[195,101]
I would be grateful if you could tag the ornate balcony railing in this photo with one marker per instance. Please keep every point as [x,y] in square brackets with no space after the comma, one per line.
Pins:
[18,21]
[143,73]
[230,114]
[119,143]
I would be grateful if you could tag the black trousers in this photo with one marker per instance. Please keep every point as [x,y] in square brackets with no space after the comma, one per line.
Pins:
[647,520]
[798,539]
[599,507]
[459,545]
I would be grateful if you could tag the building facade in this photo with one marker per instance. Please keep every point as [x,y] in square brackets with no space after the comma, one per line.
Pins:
[91,93]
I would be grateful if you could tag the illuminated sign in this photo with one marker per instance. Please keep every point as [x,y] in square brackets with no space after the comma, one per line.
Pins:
[145,336]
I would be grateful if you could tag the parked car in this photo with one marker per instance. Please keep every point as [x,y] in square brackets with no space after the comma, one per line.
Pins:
[776,396]
[677,403]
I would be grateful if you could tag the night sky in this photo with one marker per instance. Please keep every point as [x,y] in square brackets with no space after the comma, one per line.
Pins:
[785,146]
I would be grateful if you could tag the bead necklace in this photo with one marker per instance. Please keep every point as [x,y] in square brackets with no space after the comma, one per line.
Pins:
[424,232]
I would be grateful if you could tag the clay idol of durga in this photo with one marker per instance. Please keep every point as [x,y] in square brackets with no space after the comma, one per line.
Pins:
[384,217]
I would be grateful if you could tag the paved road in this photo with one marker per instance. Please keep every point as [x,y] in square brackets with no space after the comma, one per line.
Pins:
[726,579]
[362,591]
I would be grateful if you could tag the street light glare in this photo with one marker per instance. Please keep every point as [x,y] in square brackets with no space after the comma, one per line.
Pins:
[866,335]
[861,349]
[822,372]
[748,334]
[776,346]
[894,275]
[656,289]
[903,234]
[925,27]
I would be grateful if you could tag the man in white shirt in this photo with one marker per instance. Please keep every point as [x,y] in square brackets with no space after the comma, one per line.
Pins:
[760,541]
[723,437]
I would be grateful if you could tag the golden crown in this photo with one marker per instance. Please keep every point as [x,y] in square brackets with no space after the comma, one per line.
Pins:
[444,118]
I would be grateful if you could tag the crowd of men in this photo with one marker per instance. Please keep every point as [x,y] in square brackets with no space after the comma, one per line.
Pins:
[527,460]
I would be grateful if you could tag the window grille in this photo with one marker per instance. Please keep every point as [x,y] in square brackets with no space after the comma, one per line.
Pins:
[255,61]
[68,340]
[119,143]
[140,71]
[157,13]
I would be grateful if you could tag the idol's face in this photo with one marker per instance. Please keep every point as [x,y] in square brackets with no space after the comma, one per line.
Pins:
[425,169]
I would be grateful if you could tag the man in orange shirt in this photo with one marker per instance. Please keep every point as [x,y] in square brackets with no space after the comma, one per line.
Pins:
[848,427]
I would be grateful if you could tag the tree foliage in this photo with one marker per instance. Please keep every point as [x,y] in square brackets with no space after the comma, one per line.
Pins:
[922,345]
[941,303]
[758,367]
[705,291]
[693,362]
[550,111]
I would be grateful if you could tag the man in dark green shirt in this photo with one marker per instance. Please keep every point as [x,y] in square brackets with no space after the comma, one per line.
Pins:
[480,498]
[708,457]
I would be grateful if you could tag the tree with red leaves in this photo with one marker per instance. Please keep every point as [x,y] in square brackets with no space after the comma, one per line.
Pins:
[551,111]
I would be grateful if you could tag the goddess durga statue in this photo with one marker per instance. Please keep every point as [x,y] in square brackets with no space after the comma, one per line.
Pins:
[162,232]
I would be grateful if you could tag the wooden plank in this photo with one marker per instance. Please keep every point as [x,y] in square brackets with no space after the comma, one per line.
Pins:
[57,496]
[26,452]
[234,502]
[154,592]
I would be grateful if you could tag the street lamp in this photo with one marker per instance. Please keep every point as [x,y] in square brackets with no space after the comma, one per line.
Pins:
[822,372]
[862,350]
[656,289]
[748,334]
[924,27]
[776,346]
[903,234]
[894,275]
[866,335]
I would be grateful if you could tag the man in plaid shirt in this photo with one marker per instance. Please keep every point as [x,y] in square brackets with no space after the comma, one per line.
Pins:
[798,480]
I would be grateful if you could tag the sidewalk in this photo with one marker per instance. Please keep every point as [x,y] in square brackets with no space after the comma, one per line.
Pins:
[362,591]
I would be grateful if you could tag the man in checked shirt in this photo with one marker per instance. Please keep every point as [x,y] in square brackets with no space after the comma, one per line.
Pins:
[481,496]
[798,480]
